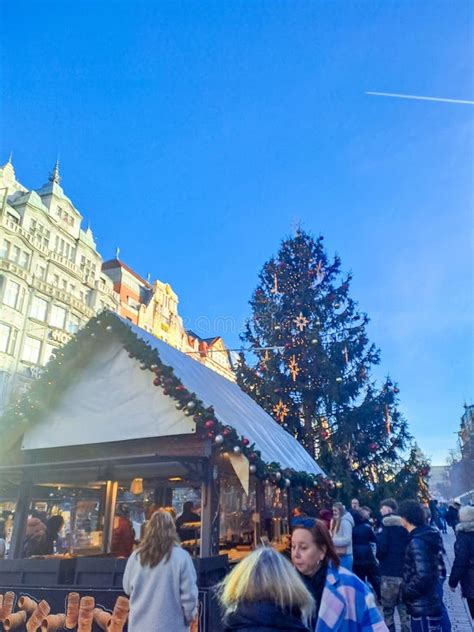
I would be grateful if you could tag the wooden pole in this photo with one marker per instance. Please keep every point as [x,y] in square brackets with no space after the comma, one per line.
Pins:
[210,510]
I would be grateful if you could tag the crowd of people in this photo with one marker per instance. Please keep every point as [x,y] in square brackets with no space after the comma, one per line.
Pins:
[345,571]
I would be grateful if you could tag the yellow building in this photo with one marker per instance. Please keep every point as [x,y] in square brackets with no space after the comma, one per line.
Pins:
[154,308]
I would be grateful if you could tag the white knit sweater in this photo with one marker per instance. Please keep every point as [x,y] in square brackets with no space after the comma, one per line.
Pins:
[163,598]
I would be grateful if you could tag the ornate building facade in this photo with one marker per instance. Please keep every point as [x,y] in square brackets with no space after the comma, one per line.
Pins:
[154,307]
[51,279]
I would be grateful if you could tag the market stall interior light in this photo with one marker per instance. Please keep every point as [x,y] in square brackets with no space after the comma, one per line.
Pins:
[136,487]
[175,479]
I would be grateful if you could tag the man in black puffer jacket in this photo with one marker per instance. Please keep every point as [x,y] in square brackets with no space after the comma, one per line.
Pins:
[392,541]
[421,573]
[363,546]
[463,567]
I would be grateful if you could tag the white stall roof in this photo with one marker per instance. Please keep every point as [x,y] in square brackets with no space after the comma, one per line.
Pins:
[234,407]
[114,400]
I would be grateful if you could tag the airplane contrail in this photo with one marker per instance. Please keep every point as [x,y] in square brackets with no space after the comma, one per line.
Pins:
[419,98]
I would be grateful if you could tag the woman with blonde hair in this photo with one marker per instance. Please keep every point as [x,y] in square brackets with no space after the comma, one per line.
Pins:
[265,593]
[340,528]
[160,580]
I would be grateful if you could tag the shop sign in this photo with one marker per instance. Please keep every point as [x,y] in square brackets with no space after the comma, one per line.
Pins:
[59,336]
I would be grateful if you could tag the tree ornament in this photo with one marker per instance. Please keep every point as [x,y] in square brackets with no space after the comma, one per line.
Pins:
[294,368]
[191,405]
[219,439]
[287,482]
[226,432]
[252,456]
[252,469]
[236,449]
[157,381]
[210,434]
[245,441]
[278,476]
[301,321]
[396,390]
[320,274]
[208,424]
[281,410]
[108,328]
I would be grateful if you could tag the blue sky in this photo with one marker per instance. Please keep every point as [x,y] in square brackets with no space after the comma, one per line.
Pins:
[195,135]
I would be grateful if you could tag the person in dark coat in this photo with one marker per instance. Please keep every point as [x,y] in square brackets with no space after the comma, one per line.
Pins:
[462,571]
[421,570]
[188,517]
[264,593]
[363,545]
[392,542]
[452,515]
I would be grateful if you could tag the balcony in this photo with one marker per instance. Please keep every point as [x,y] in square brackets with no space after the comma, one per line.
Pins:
[14,268]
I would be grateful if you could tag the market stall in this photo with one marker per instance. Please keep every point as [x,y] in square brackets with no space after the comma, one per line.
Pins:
[119,424]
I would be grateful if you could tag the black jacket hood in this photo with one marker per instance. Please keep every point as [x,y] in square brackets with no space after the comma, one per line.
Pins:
[263,615]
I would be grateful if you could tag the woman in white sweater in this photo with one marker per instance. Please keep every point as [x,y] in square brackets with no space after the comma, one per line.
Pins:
[160,580]
[341,527]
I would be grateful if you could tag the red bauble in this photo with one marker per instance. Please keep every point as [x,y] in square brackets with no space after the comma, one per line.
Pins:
[157,381]
[180,388]
[373,447]
[166,391]
[396,390]
[209,424]
[252,456]
[211,435]
[197,418]
[324,434]
[226,432]
[245,441]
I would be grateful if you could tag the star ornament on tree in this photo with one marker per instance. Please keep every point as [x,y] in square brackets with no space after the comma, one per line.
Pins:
[281,410]
[301,321]
[294,368]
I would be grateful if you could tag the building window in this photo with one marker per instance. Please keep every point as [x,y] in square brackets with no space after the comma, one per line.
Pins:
[41,272]
[48,352]
[56,280]
[73,324]
[12,294]
[7,339]
[57,317]
[31,350]
[4,249]
[14,254]
[24,259]
[39,307]
[64,284]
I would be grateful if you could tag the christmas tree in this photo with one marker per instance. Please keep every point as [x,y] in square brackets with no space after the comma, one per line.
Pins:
[312,369]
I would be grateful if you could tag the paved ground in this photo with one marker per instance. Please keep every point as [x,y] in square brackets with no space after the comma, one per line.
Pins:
[457,608]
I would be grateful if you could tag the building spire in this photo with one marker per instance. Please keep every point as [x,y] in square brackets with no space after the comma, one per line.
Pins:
[54,176]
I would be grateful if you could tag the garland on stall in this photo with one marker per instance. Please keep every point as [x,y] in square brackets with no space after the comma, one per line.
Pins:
[68,362]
